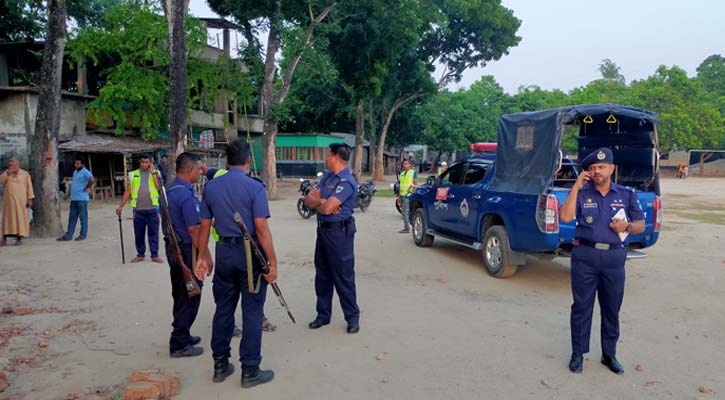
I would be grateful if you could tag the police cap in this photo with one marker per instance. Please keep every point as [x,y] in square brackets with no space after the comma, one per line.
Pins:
[599,156]
[341,149]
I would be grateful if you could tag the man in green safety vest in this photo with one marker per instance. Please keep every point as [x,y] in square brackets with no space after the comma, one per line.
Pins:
[408,182]
[144,196]
[442,168]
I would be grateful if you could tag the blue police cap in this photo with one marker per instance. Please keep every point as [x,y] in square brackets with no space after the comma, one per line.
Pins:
[599,156]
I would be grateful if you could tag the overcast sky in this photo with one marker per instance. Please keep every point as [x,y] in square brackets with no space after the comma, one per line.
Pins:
[563,41]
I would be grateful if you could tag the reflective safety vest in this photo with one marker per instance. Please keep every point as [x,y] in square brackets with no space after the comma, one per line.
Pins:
[439,171]
[406,182]
[218,173]
[134,179]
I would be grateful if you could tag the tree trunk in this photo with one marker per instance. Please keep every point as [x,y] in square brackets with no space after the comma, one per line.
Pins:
[372,151]
[269,132]
[175,11]
[359,138]
[44,155]
[386,118]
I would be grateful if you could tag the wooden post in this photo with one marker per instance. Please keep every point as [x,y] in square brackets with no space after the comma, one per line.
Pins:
[113,177]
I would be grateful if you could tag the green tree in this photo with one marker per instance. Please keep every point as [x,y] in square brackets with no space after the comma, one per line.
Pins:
[131,44]
[611,71]
[291,24]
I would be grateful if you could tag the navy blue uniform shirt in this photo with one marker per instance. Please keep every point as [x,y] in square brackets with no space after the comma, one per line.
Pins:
[183,208]
[341,186]
[234,192]
[594,212]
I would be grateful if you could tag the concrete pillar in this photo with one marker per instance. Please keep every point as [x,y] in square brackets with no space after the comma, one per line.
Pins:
[227,43]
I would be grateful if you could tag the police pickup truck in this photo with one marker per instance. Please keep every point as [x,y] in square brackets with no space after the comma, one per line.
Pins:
[507,204]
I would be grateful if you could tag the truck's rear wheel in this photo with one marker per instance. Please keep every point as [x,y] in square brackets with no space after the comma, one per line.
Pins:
[420,231]
[497,253]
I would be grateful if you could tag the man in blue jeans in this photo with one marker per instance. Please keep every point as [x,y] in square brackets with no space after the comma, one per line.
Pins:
[79,197]
[144,199]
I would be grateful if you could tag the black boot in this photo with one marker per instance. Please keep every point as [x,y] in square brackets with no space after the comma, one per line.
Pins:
[253,376]
[222,369]
[576,364]
[613,364]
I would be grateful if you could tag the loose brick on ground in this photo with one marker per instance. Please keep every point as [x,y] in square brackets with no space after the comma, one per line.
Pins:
[143,391]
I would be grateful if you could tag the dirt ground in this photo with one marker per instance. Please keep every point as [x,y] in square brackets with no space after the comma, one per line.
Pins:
[442,326]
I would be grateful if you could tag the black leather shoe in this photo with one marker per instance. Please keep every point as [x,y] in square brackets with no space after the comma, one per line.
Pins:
[188,351]
[222,369]
[353,327]
[63,238]
[80,238]
[576,364]
[317,323]
[195,340]
[613,365]
[253,376]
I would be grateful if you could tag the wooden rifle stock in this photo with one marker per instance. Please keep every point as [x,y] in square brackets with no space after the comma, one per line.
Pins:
[264,264]
[192,287]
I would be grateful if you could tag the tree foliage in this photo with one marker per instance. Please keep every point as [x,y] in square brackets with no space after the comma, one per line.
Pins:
[131,45]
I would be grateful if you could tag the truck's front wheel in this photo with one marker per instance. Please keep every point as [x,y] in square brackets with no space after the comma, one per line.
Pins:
[420,231]
[497,253]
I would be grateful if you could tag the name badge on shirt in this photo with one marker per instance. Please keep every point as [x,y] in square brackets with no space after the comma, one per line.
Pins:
[589,204]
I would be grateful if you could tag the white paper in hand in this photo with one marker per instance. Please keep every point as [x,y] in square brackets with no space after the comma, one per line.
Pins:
[621,214]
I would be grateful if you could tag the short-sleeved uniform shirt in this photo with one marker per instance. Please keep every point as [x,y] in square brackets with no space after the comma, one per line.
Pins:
[594,212]
[234,192]
[80,181]
[183,209]
[342,186]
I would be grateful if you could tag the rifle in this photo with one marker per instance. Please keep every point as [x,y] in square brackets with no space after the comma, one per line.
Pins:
[249,245]
[192,287]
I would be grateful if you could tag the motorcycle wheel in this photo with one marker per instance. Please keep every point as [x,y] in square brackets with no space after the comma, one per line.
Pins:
[365,204]
[304,211]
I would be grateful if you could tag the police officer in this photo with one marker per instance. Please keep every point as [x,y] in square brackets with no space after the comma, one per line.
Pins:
[267,326]
[234,192]
[597,260]
[184,213]
[334,198]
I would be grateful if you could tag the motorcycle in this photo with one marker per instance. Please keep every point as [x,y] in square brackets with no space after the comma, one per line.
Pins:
[365,193]
[305,186]
[396,191]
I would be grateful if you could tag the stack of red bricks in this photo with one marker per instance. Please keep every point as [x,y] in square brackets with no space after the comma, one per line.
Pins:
[152,385]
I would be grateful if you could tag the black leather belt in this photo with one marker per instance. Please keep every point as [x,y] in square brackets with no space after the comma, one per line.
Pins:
[331,224]
[597,245]
[233,239]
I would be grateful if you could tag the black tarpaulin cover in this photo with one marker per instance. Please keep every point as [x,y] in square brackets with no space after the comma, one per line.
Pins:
[529,143]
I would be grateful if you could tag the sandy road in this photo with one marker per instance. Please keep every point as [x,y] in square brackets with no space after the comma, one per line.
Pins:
[451,331]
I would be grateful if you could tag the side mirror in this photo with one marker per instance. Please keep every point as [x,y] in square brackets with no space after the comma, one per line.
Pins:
[319,174]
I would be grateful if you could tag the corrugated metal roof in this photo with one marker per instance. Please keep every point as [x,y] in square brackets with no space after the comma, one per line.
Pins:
[112,144]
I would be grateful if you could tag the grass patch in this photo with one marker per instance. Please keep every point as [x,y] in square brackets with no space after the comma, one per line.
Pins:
[385,193]
[699,207]
[708,218]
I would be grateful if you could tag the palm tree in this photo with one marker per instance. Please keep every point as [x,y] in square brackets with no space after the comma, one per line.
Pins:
[611,71]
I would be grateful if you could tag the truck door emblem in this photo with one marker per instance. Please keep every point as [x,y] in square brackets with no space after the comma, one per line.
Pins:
[439,205]
[464,208]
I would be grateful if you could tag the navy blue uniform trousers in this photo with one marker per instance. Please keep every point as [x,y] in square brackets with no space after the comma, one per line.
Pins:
[185,308]
[230,280]
[335,268]
[601,273]
[143,219]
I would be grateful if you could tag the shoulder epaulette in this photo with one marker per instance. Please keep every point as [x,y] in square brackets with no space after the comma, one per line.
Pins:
[258,180]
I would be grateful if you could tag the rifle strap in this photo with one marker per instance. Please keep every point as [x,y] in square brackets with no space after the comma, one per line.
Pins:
[250,268]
